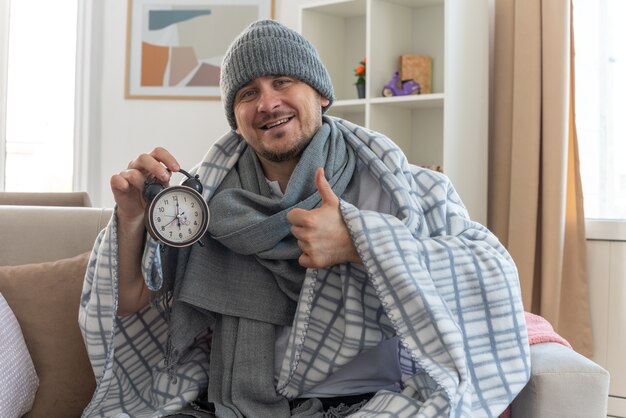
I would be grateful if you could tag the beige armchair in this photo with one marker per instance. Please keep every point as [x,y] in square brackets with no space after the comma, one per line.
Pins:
[563,382]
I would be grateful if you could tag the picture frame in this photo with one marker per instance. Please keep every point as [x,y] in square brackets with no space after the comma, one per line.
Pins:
[174,48]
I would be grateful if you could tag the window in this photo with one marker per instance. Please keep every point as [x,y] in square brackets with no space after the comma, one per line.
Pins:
[39,110]
[600,65]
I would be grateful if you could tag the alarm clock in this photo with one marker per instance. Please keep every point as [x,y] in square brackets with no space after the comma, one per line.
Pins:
[177,216]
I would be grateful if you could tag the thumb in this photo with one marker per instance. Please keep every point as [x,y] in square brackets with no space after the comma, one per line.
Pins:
[326,192]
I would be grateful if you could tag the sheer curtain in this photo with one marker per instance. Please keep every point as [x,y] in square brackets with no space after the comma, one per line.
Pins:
[535,193]
[37,123]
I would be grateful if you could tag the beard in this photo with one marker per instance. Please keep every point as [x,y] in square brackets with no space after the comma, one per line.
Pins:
[310,127]
[286,155]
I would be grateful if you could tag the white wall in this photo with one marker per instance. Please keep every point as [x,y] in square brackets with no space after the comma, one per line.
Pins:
[120,129]
[607,288]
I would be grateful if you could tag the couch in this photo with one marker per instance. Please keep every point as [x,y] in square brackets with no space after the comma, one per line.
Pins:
[42,262]
[77,199]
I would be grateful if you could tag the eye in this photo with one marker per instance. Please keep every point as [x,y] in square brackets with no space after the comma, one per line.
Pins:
[281,82]
[246,94]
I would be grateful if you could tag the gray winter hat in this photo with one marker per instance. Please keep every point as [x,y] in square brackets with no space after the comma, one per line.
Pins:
[267,47]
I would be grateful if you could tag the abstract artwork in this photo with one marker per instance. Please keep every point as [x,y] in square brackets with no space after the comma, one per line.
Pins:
[175,47]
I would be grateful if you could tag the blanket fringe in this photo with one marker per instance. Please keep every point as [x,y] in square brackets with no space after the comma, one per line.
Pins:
[162,302]
[342,410]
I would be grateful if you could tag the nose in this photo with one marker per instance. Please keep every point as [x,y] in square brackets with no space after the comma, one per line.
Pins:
[269,99]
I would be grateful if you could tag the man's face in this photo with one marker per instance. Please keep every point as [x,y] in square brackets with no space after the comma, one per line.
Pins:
[277,116]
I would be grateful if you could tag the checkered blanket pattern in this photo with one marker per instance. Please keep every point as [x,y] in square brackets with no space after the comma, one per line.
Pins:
[439,281]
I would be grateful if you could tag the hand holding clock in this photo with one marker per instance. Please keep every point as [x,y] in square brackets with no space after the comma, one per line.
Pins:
[127,186]
[141,194]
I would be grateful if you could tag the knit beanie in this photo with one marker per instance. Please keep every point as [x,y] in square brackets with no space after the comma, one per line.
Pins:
[267,48]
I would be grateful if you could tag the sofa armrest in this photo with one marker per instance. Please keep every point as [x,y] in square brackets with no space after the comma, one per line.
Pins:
[563,383]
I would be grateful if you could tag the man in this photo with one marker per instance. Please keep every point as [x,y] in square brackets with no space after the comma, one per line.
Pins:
[335,279]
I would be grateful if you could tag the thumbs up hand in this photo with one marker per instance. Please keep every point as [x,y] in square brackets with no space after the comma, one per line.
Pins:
[322,234]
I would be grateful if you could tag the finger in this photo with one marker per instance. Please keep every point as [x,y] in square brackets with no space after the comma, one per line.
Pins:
[302,246]
[134,178]
[295,231]
[295,216]
[118,182]
[150,166]
[326,192]
[122,185]
[305,261]
[158,163]
[162,155]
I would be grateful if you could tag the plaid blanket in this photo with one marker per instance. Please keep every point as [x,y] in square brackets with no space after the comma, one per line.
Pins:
[439,281]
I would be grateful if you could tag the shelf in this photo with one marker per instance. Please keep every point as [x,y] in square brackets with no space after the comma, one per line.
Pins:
[416,3]
[421,101]
[352,105]
[344,9]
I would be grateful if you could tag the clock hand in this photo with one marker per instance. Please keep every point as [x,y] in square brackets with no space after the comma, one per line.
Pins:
[175,218]
[177,214]
[178,217]
[181,219]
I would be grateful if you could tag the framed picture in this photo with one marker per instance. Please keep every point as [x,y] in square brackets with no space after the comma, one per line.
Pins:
[175,47]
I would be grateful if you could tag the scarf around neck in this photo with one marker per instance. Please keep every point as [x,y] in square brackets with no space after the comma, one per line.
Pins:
[251,259]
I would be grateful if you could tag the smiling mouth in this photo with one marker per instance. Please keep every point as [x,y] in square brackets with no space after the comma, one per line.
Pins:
[276,123]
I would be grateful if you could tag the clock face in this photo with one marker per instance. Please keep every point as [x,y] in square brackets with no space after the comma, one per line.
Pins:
[178,216]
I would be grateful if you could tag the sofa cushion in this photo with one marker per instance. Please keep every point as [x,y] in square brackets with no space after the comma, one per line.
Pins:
[18,379]
[45,298]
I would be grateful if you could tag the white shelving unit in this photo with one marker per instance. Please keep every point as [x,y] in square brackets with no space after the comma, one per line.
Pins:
[448,127]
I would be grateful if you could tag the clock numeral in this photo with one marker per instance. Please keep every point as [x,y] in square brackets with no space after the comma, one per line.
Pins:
[161,209]
[158,219]
[189,231]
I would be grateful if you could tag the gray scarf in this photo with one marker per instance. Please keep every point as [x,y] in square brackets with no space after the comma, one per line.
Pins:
[246,279]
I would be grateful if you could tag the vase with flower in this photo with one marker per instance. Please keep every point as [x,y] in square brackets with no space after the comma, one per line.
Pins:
[359,71]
